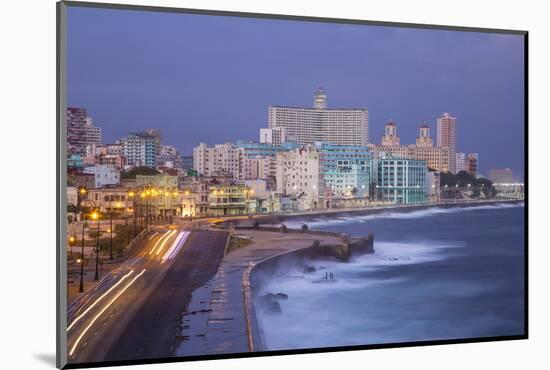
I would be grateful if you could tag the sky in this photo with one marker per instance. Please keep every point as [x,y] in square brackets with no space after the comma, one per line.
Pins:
[204,78]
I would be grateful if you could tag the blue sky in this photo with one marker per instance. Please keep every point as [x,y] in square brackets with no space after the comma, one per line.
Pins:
[211,78]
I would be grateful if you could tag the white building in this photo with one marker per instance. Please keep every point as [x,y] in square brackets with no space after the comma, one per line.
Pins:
[104,174]
[299,175]
[332,125]
[208,161]
[275,136]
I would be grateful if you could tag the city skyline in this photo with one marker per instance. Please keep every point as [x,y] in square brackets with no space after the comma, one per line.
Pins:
[488,99]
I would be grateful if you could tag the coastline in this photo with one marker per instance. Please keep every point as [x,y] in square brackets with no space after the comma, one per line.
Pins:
[227,320]
[270,265]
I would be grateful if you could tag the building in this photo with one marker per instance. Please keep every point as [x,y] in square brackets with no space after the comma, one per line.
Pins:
[400,180]
[140,149]
[275,136]
[446,137]
[169,157]
[299,176]
[93,134]
[104,175]
[161,182]
[460,162]
[345,169]
[436,157]
[228,200]
[80,131]
[220,158]
[303,125]
[424,139]
[390,137]
[472,160]
[187,162]
[467,162]
[110,199]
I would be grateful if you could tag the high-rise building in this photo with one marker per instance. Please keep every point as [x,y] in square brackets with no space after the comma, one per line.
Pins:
[338,126]
[76,131]
[140,149]
[460,162]
[472,163]
[446,137]
[93,134]
[80,131]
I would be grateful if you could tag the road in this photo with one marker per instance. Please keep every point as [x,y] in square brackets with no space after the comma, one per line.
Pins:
[136,310]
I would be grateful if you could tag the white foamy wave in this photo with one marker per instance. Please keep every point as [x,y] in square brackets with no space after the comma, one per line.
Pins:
[427,212]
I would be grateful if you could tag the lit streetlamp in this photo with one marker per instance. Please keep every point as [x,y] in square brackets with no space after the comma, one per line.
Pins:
[95,216]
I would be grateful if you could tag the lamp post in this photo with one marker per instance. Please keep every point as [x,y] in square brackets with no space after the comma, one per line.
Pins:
[81,289]
[111,234]
[72,239]
[95,216]
[128,210]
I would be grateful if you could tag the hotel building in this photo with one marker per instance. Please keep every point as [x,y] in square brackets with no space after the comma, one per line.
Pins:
[338,126]
[437,158]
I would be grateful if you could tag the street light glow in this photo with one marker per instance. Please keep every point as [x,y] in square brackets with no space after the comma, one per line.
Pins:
[95,216]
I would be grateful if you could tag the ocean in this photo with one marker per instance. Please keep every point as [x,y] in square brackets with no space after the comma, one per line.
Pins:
[436,274]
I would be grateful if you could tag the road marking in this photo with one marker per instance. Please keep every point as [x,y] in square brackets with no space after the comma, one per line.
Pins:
[99,299]
[102,311]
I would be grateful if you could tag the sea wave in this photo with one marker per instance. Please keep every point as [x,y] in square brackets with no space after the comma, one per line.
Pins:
[427,212]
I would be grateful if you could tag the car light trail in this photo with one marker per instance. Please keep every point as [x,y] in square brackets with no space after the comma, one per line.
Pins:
[99,299]
[154,234]
[102,311]
[176,246]
[158,241]
[165,240]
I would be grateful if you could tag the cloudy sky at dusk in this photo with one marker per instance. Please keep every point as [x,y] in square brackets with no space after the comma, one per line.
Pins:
[210,78]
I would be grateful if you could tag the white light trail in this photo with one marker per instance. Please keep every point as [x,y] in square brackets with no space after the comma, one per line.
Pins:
[101,313]
[99,299]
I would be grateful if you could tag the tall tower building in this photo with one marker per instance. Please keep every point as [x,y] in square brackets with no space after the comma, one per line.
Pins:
[390,137]
[424,139]
[320,99]
[446,137]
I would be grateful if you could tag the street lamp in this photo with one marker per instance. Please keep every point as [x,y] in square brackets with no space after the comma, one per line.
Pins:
[72,239]
[81,289]
[95,216]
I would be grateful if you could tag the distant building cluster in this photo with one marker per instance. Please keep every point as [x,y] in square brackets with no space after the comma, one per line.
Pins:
[306,158]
